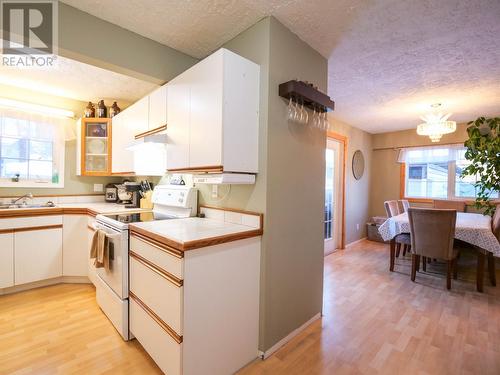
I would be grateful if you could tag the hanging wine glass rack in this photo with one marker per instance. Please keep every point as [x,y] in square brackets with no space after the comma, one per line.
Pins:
[305,93]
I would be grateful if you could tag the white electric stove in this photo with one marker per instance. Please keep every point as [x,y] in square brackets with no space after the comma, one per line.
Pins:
[169,202]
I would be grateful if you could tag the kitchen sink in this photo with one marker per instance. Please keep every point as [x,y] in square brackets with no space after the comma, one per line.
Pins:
[16,206]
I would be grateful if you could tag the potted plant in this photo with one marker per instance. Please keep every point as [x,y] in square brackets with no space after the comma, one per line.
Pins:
[483,151]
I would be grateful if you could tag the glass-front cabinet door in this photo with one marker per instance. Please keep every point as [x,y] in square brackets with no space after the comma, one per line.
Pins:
[96,146]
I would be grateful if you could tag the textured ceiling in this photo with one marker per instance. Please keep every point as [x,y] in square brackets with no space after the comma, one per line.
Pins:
[76,80]
[388,59]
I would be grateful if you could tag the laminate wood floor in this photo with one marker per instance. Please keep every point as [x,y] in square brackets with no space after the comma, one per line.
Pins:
[378,322]
[375,322]
[61,330]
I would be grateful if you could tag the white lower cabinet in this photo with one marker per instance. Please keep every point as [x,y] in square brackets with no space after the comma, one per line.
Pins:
[164,350]
[75,255]
[195,312]
[38,254]
[6,260]
[165,299]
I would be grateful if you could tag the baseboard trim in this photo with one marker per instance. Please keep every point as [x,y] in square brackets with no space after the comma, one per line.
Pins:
[48,282]
[355,242]
[273,349]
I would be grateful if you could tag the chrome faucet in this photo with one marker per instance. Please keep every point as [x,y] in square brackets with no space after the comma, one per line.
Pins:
[29,195]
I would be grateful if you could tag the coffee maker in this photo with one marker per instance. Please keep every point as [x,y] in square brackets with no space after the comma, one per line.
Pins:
[134,189]
[111,193]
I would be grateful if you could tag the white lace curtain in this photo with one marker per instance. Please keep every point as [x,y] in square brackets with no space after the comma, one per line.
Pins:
[430,154]
[35,125]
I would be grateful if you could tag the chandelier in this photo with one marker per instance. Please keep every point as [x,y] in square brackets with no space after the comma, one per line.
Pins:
[436,124]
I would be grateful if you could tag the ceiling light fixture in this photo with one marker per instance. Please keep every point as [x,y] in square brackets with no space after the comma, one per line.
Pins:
[436,124]
[30,107]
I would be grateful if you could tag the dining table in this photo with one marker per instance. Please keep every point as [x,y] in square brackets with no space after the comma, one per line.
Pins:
[471,228]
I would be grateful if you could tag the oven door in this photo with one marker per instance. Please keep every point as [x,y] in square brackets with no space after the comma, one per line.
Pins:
[116,277]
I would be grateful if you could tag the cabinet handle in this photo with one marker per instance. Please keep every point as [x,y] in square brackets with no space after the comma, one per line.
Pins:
[203,169]
[178,339]
[28,229]
[166,275]
[165,248]
[152,131]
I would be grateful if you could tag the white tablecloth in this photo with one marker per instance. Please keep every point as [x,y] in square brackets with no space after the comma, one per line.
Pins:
[472,228]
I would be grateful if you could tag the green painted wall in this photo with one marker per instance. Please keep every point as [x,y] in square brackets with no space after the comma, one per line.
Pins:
[91,40]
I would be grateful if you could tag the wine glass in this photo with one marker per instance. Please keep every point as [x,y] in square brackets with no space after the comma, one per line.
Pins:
[290,110]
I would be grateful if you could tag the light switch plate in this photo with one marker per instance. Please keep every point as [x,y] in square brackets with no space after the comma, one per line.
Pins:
[98,188]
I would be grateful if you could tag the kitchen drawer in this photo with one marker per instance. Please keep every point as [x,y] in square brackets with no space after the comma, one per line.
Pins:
[161,255]
[155,338]
[159,290]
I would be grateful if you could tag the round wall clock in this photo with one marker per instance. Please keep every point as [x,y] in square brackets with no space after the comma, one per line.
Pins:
[358,164]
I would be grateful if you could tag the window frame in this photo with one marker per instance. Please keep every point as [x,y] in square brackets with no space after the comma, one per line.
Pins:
[451,188]
[58,162]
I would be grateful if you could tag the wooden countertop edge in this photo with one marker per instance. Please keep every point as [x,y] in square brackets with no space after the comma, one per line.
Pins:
[49,211]
[156,237]
[196,244]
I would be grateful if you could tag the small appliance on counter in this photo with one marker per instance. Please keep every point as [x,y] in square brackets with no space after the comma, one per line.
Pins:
[111,193]
[133,188]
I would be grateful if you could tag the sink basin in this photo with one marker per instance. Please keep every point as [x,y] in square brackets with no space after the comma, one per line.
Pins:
[16,206]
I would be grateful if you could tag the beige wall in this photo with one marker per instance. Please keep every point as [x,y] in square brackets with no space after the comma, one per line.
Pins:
[385,183]
[357,192]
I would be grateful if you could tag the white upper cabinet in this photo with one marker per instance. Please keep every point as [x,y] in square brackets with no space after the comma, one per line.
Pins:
[205,134]
[126,125]
[122,159]
[137,117]
[178,108]
[213,115]
[158,108]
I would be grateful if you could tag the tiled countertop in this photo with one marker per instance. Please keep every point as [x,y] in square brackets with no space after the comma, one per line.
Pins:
[218,227]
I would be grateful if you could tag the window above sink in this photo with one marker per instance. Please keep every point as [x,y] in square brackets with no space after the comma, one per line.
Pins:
[31,149]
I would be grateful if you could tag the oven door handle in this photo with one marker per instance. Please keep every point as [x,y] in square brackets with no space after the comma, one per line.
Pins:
[97,227]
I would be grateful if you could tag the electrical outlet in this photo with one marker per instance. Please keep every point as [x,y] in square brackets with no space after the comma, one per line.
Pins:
[357,226]
[215,191]
[98,188]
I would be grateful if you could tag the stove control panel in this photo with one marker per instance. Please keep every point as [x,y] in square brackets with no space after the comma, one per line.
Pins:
[175,196]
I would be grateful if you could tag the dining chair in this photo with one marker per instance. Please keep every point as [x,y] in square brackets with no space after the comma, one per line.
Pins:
[459,206]
[404,205]
[392,209]
[432,234]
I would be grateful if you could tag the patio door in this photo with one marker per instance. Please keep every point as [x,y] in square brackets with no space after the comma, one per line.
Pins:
[333,195]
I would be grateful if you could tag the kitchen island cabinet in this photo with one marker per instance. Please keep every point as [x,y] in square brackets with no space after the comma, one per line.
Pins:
[194,291]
